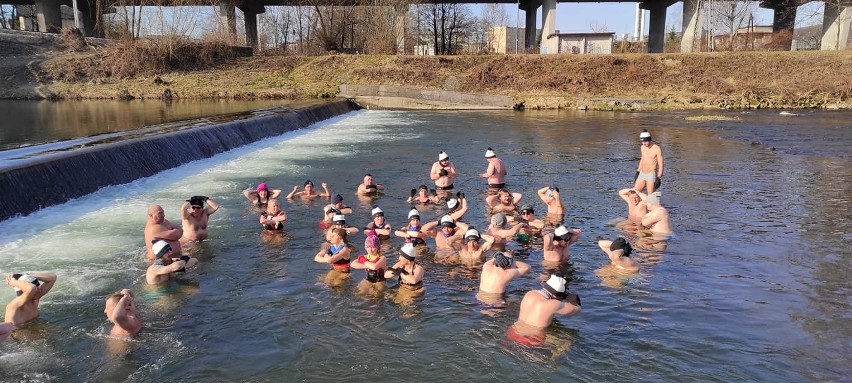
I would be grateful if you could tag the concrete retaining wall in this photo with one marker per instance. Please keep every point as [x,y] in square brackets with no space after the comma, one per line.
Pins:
[392,96]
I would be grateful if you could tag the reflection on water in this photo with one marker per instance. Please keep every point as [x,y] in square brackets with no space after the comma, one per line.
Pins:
[753,286]
[27,123]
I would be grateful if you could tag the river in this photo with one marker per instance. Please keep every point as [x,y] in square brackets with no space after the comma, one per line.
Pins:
[753,286]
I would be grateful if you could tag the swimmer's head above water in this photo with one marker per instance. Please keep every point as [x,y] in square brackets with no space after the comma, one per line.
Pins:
[502,261]
[621,244]
[26,278]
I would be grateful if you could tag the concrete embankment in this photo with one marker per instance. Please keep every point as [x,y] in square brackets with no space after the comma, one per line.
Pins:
[58,178]
[400,97]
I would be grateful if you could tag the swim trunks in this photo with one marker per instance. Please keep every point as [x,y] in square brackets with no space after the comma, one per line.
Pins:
[448,187]
[528,340]
[497,186]
[647,176]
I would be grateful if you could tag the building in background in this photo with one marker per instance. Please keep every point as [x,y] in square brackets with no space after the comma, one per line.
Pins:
[503,39]
[579,43]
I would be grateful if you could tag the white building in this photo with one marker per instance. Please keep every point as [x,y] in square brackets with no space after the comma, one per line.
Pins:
[579,43]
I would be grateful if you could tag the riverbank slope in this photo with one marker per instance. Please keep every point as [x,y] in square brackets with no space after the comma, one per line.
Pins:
[620,81]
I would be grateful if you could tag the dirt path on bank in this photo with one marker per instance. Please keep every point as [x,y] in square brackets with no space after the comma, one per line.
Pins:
[17,78]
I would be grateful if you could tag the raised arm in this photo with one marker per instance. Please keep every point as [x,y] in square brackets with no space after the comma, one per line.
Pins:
[522,267]
[430,228]
[212,206]
[293,193]
[325,192]
[275,193]
[542,194]
[184,207]
[47,281]
[489,241]
[623,194]
[250,195]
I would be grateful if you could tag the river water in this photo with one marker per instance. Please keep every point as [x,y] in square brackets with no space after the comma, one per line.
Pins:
[753,286]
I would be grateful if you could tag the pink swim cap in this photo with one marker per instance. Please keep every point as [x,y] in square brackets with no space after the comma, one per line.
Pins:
[372,240]
[262,186]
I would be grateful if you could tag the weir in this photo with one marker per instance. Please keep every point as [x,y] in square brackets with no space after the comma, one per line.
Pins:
[27,188]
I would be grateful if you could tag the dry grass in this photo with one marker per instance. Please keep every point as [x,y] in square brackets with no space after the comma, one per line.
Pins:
[739,80]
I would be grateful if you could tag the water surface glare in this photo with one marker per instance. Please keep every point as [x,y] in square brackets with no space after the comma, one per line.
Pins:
[754,285]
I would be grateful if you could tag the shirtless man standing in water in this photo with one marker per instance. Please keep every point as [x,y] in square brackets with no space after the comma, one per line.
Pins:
[443,172]
[158,227]
[496,171]
[194,217]
[650,171]
[30,288]
[538,309]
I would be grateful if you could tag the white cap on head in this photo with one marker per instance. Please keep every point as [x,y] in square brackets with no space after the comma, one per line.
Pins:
[408,251]
[442,156]
[26,278]
[472,233]
[645,136]
[490,153]
[556,284]
[338,218]
[446,220]
[160,248]
[413,213]
[452,203]
[377,210]
[561,232]
[653,198]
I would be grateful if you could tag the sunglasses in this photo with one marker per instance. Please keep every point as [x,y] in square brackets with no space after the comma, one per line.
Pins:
[526,213]
[196,207]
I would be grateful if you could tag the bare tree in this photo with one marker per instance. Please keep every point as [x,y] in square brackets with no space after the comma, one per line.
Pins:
[446,24]
[597,27]
[728,17]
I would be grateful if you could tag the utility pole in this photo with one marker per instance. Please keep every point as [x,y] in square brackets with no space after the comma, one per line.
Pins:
[517,24]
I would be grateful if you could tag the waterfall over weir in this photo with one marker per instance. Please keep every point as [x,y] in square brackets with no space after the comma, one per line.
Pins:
[58,178]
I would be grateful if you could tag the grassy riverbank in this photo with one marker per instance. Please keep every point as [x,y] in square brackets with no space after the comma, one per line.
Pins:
[622,81]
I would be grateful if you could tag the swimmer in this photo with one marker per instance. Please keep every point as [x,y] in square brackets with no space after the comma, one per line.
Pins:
[498,229]
[446,231]
[550,196]
[457,206]
[328,216]
[473,251]
[6,329]
[29,289]
[540,306]
[164,266]
[195,217]
[373,262]
[619,254]
[273,218]
[261,195]
[443,172]
[335,252]
[534,225]
[649,173]
[556,244]
[339,222]
[412,233]
[158,227]
[368,187]
[496,171]
[337,203]
[309,191]
[503,202]
[636,207]
[121,312]
[657,218]
[378,224]
[499,271]
[409,272]
[422,195]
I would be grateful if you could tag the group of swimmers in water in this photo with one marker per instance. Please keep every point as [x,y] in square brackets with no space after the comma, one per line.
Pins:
[455,241]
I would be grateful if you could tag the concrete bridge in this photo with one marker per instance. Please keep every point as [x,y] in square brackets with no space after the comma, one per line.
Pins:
[835,29]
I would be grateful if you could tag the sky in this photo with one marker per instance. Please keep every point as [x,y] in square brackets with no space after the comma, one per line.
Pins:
[620,17]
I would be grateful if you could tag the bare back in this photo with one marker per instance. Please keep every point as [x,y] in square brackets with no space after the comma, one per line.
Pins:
[538,311]
[164,231]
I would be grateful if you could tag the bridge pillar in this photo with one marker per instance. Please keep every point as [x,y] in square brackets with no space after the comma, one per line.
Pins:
[228,19]
[835,26]
[401,17]
[251,28]
[48,15]
[784,20]
[691,25]
[657,27]
[548,27]
[531,7]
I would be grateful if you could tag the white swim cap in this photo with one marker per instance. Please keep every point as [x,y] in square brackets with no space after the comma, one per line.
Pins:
[408,251]
[556,285]
[160,248]
[561,232]
[442,156]
[377,210]
[452,203]
[448,221]
[338,218]
[26,278]
[490,153]
[413,213]
[498,220]
[645,135]
[653,198]
[472,233]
